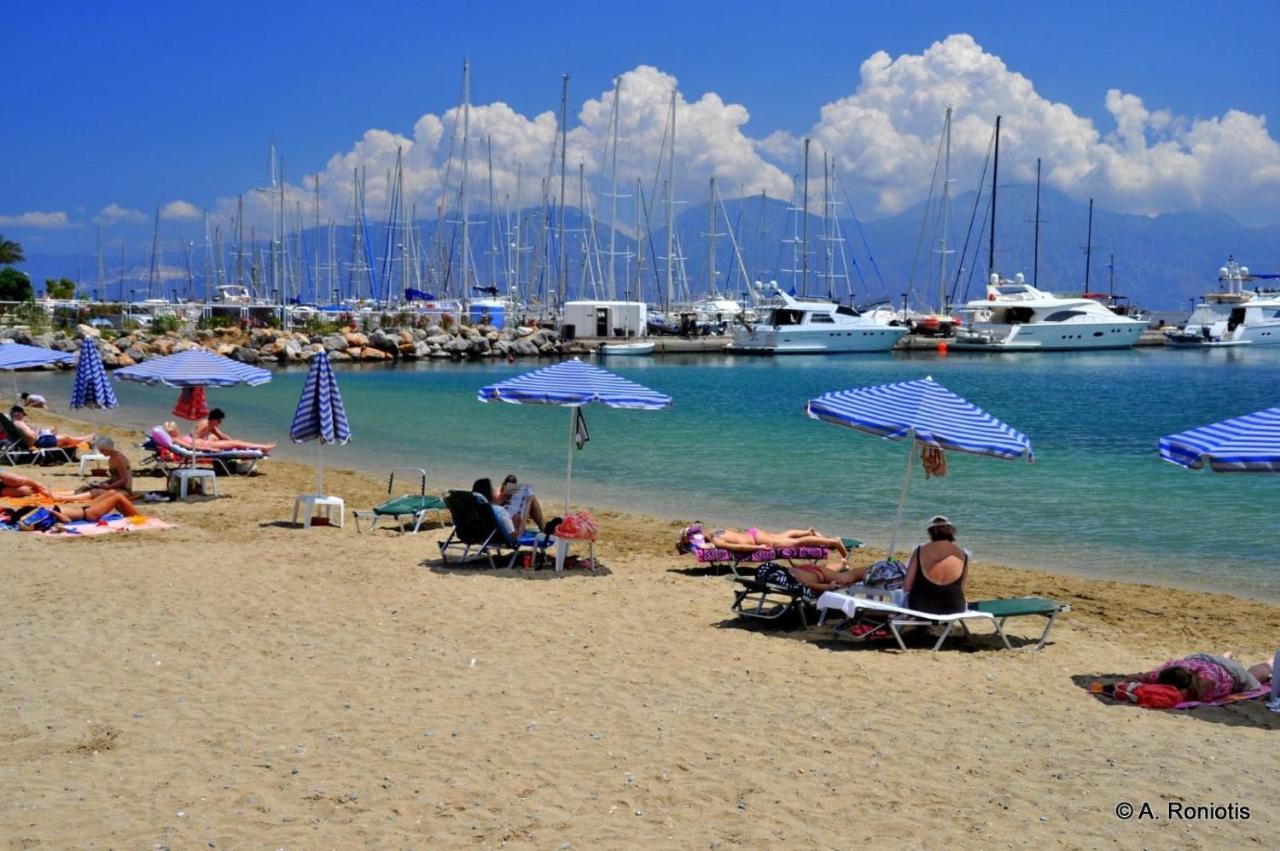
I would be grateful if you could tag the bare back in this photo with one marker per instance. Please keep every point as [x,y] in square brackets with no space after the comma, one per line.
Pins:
[942,562]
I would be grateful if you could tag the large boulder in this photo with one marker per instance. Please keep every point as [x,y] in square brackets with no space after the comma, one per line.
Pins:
[457,346]
[244,354]
[339,357]
[439,339]
[355,339]
[525,330]
[335,343]
[136,352]
[440,353]
[384,342]
[467,331]
[83,331]
[433,329]
[182,346]
[369,353]
[524,347]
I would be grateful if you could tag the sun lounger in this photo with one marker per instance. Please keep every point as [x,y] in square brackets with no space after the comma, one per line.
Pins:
[415,506]
[743,563]
[477,533]
[881,618]
[167,456]
[15,452]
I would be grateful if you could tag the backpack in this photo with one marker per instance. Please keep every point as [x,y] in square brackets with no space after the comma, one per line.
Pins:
[888,574]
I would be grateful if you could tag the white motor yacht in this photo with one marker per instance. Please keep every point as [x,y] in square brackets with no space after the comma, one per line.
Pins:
[813,326]
[1017,317]
[1231,316]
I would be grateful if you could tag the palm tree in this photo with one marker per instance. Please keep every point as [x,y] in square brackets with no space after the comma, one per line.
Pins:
[10,251]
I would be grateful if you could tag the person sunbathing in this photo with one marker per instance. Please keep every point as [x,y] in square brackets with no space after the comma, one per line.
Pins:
[14,486]
[45,438]
[101,506]
[754,539]
[513,505]
[824,577]
[210,430]
[1208,677]
[213,444]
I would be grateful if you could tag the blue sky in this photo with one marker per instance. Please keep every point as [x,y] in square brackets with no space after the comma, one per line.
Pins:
[140,104]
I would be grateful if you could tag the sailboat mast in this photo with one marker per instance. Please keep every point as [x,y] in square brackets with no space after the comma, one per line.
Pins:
[711,239]
[804,224]
[1035,257]
[946,200]
[1088,248]
[613,191]
[240,240]
[995,171]
[671,204]
[563,286]
[155,252]
[101,282]
[515,265]
[316,241]
[207,262]
[462,186]
[826,223]
[493,222]
[639,292]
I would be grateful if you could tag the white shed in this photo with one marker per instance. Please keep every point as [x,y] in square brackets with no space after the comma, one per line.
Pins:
[604,319]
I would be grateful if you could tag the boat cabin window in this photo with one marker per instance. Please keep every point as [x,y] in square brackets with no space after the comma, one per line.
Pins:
[1016,289]
[826,318]
[1063,315]
[788,317]
[845,310]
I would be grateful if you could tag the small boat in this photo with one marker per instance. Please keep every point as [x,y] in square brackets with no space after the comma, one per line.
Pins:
[626,349]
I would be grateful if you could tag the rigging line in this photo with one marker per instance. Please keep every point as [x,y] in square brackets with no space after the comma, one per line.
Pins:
[964,252]
[924,221]
[884,289]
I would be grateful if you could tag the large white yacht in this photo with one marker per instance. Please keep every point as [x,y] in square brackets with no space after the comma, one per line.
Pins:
[1018,317]
[813,326]
[1231,316]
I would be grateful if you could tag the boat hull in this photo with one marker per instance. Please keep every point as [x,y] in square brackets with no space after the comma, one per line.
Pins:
[768,341]
[1067,337]
[626,349]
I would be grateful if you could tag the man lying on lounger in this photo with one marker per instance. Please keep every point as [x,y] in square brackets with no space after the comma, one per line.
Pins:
[753,540]
[44,438]
[209,431]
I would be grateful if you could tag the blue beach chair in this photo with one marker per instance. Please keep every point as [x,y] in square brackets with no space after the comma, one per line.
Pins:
[478,534]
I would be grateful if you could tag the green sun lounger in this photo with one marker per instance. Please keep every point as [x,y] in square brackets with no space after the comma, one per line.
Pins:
[1020,607]
[415,506]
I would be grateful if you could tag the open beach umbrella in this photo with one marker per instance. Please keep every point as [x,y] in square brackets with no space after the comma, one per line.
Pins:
[924,412]
[1248,444]
[194,368]
[573,384]
[16,356]
[320,415]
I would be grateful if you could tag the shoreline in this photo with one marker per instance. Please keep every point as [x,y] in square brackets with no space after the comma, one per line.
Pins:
[131,430]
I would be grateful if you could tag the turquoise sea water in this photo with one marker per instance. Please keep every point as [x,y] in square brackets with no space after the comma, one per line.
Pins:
[736,448]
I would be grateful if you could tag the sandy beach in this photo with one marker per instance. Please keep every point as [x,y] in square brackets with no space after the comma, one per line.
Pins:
[238,682]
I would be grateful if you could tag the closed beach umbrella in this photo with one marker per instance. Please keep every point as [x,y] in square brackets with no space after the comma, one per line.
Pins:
[1248,444]
[92,387]
[923,412]
[573,384]
[194,368]
[320,415]
[192,404]
[16,356]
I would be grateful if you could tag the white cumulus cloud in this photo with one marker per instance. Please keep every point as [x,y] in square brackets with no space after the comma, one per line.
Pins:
[179,209]
[113,214]
[37,220]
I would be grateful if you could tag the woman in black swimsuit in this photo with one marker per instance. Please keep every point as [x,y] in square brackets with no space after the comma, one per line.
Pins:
[937,571]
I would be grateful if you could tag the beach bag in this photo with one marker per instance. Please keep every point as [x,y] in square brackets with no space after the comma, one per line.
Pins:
[46,440]
[888,574]
[37,520]
[578,526]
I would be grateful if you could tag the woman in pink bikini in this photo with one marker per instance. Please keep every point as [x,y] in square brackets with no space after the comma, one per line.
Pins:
[753,539]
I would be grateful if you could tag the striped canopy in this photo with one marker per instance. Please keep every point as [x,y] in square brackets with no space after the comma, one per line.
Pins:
[925,410]
[92,388]
[320,414]
[573,383]
[1248,444]
[21,356]
[194,367]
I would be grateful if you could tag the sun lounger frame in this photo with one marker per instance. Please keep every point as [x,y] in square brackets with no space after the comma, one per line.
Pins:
[478,534]
[428,505]
[896,617]
[15,451]
[221,460]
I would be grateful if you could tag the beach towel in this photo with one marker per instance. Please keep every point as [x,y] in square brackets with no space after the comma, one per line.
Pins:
[113,525]
[1156,696]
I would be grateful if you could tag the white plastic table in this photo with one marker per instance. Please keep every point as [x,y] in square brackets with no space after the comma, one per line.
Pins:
[208,481]
[90,459]
[309,502]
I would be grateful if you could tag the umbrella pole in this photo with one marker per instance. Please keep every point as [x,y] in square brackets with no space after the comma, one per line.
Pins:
[902,498]
[568,482]
[320,468]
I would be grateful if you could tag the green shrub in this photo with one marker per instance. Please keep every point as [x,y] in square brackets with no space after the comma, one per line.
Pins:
[165,324]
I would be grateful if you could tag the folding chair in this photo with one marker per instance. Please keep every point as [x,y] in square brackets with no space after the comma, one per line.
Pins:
[476,528]
[415,506]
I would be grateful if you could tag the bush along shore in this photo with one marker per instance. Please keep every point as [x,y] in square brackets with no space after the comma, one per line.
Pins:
[270,345]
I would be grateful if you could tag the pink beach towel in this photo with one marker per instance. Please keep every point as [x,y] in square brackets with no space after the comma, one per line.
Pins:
[89,529]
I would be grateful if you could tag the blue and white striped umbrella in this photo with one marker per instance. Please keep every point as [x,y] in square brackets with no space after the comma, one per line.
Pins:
[194,368]
[320,414]
[927,413]
[1248,444]
[92,387]
[22,356]
[573,384]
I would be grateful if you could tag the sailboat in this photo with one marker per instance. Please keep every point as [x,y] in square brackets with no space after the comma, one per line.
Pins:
[1016,316]
[940,322]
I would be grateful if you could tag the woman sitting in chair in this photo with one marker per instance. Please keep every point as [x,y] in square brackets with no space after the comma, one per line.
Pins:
[513,506]
[937,571]
[753,539]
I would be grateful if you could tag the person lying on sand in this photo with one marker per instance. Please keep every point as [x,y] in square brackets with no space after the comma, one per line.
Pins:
[1208,677]
[15,486]
[212,444]
[209,430]
[101,506]
[121,474]
[754,539]
[45,438]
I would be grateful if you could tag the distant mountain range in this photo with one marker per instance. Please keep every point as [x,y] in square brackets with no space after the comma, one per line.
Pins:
[1161,262]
